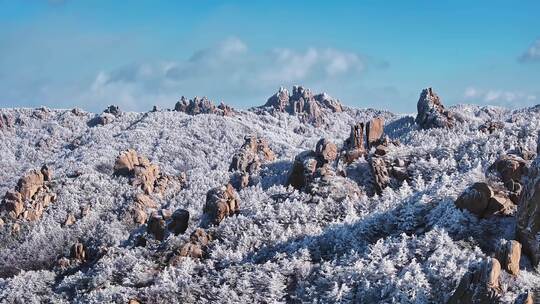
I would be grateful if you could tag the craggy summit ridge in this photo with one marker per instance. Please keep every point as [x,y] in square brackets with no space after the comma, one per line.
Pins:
[299,200]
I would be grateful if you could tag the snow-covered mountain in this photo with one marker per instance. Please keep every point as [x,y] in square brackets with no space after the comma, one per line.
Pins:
[82,230]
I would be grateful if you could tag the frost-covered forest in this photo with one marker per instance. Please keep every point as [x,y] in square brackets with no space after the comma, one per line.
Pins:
[341,239]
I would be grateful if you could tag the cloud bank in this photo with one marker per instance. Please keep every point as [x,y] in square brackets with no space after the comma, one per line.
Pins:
[498,97]
[228,70]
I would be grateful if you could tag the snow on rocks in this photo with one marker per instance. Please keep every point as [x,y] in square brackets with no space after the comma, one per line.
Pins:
[221,202]
[247,161]
[481,200]
[509,255]
[431,112]
[528,214]
[354,145]
[480,285]
[310,108]
[30,197]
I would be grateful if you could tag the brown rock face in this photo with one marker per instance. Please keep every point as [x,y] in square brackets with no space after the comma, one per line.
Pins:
[78,252]
[30,189]
[142,172]
[431,112]
[480,200]
[528,214]
[354,145]
[202,105]
[13,204]
[126,162]
[221,202]
[308,107]
[510,167]
[374,130]
[509,255]
[179,221]
[380,173]
[326,150]
[479,285]
[30,184]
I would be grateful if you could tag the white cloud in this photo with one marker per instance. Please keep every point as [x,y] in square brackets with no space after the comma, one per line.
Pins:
[228,70]
[532,53]
[498,97]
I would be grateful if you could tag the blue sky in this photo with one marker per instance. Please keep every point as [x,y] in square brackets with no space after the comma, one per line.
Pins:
[367,53]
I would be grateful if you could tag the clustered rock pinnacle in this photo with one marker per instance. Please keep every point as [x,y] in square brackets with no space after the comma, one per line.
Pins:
[431,111]
[29,199]
[309,107]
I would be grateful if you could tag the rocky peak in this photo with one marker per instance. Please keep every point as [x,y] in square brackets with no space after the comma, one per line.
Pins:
[303,103]
[203,105]
[431,111]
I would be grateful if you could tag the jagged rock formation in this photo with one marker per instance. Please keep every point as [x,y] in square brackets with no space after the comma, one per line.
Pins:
[246,162]
[380,173]
[354,145]
[142,173]
[431,112]
[221,202]
[528,214]
[374,131]
[303,103]
[479,285]
[509,255]
[481,200]
[511,168]
[310,164]
[31,196]
[202,105]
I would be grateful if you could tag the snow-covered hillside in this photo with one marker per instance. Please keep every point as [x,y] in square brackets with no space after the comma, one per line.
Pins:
[408,244]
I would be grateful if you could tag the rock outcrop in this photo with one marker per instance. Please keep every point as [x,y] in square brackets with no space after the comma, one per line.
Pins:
[380,173]
[221,202]
[196,247]
[202,105]
[142,173]
[353,148]
[509,254]
[480,284]
[528,214]
[310,164]
[481,200]
[511,168]
[247,160]
[431,112]
[30,197]
[179,222]
[309,107]
[374,131]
